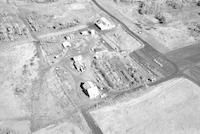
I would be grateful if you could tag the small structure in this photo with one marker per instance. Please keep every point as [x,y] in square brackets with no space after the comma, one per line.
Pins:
[90,89]
[88,32]
[78,63]
[66,44]
[104,24]
[69,37]
[17,29]
[84,33]
[92,32]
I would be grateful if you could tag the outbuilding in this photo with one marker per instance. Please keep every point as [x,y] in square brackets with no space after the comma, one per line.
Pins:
[78,63]
[66,44]
[104,24]
[90,89]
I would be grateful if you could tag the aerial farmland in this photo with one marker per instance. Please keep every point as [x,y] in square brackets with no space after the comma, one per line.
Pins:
[99,67]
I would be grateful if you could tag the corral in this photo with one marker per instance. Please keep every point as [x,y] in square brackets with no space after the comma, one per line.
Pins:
[119,72]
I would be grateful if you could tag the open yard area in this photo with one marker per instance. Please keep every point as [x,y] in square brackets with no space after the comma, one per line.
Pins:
[171,108]
[123,40]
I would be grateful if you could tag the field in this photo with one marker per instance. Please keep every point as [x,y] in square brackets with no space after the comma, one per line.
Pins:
[172,107]
[167,26]
[19,66]
[15,127]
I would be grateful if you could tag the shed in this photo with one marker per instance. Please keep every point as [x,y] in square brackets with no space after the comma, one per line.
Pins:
[104,24]
[90,89]
[66,44]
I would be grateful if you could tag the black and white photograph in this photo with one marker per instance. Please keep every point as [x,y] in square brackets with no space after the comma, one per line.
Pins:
[99,66]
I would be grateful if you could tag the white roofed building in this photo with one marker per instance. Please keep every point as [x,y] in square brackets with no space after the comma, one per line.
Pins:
[104,24]
[78,63]
[66,44]
[90,89]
